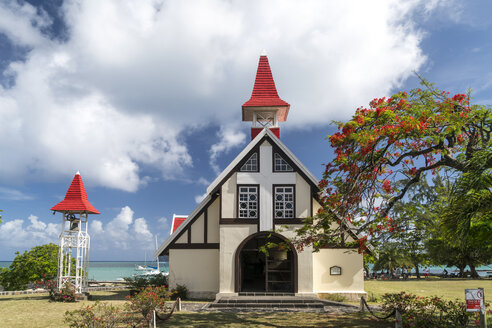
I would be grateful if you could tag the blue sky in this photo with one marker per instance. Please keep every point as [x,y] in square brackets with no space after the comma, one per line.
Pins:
[144,97]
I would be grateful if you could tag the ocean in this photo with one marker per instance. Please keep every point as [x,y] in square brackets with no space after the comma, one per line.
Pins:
[110,270]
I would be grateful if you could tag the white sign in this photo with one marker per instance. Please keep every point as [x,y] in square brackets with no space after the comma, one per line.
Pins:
[474,300]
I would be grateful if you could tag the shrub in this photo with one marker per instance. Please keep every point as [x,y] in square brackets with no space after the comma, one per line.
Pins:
[65,294]
[148,300]
[180,291]
[427,311]
[98,315]
[139,282]
[39,263]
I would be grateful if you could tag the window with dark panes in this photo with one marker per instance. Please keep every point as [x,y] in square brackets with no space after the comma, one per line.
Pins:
[248,202]
[284,202]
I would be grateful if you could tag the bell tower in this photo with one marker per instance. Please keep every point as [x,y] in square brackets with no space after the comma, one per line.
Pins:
[73,259]
[265,108]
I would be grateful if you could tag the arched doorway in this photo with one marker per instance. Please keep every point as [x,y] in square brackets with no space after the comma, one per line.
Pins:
[258,272]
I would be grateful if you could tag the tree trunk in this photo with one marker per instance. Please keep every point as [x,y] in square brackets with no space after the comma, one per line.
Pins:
[462,271]
[417,272]
[473,271]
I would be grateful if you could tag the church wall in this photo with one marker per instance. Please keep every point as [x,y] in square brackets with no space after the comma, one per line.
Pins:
[303,197]
[230,238]
[304,263]
[213,222]
[352,277]
[197,230]
[183,239]
[197,269]
[228,191]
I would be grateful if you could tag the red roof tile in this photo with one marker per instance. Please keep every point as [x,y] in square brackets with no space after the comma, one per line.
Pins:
[177,220]
[264,91]
[76,199]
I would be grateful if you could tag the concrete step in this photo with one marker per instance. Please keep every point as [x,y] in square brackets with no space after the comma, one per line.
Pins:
[265,294]
[269,305]
[268,300]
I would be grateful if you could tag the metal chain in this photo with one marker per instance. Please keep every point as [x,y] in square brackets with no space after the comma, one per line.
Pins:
[370,311]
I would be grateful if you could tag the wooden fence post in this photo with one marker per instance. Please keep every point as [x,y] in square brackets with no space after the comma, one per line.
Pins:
[398,320]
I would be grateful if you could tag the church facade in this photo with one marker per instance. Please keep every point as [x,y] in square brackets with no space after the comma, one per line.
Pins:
[261,197]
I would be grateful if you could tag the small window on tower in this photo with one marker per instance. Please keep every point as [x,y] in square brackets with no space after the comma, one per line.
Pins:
[251,164]
[248,202]
[284,202]
[280,165]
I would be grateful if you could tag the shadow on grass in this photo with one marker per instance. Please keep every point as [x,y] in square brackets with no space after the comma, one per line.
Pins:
[35,297]
[273,319]
[116,295]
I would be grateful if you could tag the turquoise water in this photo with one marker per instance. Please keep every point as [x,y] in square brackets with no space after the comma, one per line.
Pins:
[109,270]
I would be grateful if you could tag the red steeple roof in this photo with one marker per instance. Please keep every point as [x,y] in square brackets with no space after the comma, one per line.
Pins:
[76,199]
[264,91]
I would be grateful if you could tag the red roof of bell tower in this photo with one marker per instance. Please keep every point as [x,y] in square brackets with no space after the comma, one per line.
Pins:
[265,93]
[76,199]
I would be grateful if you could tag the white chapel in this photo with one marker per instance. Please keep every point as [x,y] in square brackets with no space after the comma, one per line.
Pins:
[262,196]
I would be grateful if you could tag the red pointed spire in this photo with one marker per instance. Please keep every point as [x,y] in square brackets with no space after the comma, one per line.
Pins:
[76,199]
[265,93]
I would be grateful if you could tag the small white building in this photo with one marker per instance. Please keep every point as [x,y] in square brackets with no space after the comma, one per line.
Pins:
[214,251]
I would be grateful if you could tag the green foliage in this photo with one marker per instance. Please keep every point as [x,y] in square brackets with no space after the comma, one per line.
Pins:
[180,291]
[98,315]
[390,257]
[421,312]
[40,263]
[66,294]
[387,148]
[148,300]
[139,282]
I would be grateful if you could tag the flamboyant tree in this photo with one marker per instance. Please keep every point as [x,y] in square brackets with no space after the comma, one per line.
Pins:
[387,148]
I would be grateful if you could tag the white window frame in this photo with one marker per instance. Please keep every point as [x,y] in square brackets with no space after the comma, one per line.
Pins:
[282,200]
[244,196]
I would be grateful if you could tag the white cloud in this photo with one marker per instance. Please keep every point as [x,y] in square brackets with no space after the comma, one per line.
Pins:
[13,233]
[199,198]
[96,227]
[229,137]
[202,181]
[132,76]
[123,232]
[12,194]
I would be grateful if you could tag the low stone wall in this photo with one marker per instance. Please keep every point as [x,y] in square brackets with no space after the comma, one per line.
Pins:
[41,291]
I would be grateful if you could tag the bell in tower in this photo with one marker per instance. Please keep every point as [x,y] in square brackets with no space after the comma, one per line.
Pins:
[265,108]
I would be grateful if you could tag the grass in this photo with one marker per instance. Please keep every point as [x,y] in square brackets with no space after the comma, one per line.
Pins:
[29,311]
[36,311]
[273,319]
[448,289]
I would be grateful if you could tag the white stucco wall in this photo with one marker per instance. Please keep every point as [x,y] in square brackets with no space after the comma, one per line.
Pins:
[228,194]
[197,230]
[230,238]
[304,263]
[197,269]
[213,222]
[303,197]
[352,277]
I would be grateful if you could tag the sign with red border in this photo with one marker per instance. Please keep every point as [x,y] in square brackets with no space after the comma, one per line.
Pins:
[474,300]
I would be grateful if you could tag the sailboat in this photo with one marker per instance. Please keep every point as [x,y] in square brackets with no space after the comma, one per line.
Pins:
[150,270]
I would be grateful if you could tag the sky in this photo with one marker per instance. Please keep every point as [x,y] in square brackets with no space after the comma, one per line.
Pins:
[143,97]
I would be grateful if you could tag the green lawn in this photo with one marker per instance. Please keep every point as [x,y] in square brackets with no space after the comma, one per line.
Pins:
[35,311]
[448,289]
